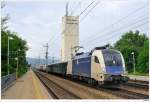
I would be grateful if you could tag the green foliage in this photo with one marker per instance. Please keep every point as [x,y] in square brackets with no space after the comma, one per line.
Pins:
[137,43]
[4,23]
[143,58]
[17,49]
[22,70]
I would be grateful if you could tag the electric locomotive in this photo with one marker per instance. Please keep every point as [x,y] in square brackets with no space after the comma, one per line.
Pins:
[102,66]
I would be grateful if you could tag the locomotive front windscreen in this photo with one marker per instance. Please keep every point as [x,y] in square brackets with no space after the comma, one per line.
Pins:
[112,58]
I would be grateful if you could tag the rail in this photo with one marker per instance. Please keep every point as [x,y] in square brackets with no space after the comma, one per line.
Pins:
[56,91]
[83,89]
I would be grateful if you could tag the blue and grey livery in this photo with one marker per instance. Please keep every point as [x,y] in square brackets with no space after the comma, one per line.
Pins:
[101,65]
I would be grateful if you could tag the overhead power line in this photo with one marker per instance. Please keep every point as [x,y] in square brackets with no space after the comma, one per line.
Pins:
[120,20]
[118,34]
[89,11]
[122,27]
[57,36]
[114,31]
[86,8]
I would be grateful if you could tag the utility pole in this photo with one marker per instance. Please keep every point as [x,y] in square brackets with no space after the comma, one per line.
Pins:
[53,61]
[17,59]
[133,62]
[8,55]
[46,53]
[9,38]
[39,60]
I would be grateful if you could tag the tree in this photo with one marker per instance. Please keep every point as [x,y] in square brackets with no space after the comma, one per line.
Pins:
[4,19]
[131,42]
[15,45]
[143,58]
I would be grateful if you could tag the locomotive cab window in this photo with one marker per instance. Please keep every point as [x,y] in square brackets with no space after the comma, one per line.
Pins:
[112,58]
[96,59]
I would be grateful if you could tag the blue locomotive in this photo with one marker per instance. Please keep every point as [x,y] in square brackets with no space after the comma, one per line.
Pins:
[101,66]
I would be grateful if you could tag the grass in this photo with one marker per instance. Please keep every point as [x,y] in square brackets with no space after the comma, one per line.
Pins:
[139,74]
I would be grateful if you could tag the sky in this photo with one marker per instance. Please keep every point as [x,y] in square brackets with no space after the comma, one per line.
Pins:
[39,22]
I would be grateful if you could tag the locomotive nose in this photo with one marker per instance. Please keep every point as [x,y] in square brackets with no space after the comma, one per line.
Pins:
[116,79]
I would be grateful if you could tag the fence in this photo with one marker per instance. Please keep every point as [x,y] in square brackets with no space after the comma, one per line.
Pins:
[6,80]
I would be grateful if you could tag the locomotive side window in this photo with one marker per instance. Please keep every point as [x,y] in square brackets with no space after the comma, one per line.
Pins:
[96,59]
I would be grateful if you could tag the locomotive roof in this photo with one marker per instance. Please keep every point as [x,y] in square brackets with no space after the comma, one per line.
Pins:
[88,54]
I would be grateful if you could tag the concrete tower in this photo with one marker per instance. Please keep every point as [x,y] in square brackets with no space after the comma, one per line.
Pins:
[69,36]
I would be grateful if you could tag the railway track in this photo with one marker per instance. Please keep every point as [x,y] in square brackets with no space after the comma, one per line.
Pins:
[126,94]
[139,81]
[122,92]
[133,94]
[56,91]
[144,85]
[83,90]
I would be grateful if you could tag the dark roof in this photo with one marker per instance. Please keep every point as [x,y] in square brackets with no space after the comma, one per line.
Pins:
[57,63]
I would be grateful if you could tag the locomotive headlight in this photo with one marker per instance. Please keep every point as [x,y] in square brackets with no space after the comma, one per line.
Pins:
[114,61]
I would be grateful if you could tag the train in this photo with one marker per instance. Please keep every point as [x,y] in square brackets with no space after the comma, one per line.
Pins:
[101,66]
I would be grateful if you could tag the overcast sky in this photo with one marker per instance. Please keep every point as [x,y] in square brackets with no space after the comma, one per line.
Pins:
[39,22]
